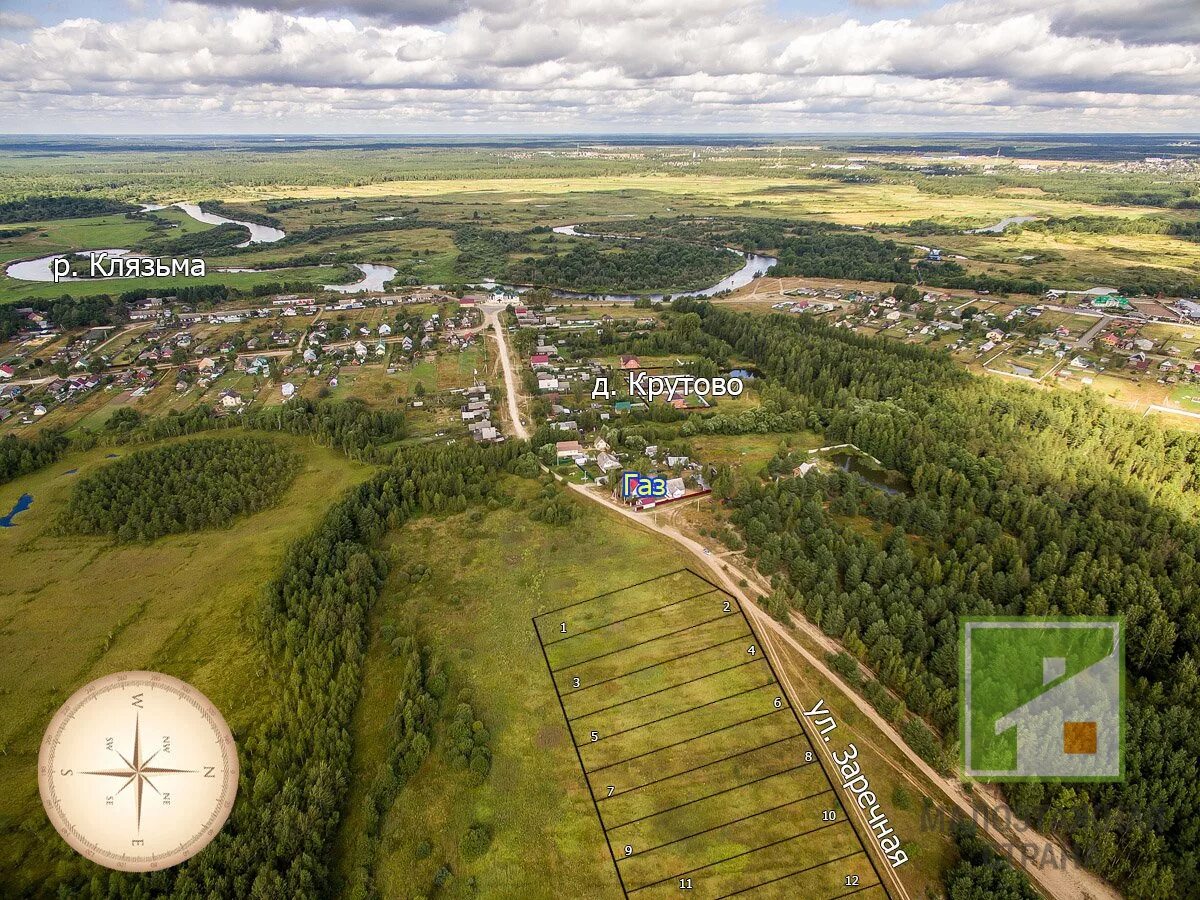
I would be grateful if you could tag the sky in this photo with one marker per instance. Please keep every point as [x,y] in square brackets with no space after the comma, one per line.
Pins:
[598,66]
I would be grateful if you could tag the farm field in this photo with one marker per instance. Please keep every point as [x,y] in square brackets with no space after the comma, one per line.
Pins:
[703,777]
[73,608]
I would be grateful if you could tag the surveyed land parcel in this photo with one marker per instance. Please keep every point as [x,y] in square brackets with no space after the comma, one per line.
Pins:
[702,774]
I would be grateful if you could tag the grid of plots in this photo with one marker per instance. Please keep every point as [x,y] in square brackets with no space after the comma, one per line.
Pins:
[701,772]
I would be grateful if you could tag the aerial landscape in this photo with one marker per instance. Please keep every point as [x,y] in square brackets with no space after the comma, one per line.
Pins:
[736,449]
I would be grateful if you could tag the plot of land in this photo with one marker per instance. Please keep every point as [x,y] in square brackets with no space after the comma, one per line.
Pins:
[702,775]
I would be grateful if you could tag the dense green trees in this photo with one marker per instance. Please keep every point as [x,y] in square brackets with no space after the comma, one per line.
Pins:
[36,209]
[19,456]
[627,266]
[1021,502]
[180,487]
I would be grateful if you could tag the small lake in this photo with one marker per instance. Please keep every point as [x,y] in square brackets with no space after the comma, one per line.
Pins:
[23,503]
[374,278]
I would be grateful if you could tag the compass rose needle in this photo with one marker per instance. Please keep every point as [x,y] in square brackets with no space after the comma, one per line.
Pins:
[139,770]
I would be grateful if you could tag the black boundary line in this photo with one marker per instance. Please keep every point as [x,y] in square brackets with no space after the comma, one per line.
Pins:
[761,812]
[618,590]
[817,756]
[627,618]
[736,787]
[697,768]
[682,712]
[766,846]
[801,872]
[689,740]
[580,690]
[748,662]
[579,756]
[582,662]
[816,752]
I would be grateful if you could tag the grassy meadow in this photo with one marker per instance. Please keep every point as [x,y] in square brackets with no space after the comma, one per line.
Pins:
[75,608]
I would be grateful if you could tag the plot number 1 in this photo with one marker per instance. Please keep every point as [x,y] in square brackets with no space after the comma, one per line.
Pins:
[562,626]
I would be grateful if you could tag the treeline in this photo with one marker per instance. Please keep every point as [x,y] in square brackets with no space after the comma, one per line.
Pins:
[627,266]
[296,765]
[349,425]
[240,213]
[179,487]
[812,249]
[483,252]
[216,240]
[36,209]
[410,732]
[1022,503]
[20,456]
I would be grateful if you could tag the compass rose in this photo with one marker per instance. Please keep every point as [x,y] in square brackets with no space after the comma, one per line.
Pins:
[139,769]
[175,764]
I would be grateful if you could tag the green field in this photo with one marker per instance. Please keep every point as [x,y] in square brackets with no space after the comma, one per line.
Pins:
[704,777]
[75,608]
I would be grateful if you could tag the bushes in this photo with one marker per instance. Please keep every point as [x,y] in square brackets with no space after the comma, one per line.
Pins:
[468,739]
[180,487]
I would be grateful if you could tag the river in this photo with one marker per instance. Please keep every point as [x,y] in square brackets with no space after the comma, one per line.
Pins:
[375,276]
[39,269]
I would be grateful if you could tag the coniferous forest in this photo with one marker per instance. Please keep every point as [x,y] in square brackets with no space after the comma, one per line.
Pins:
[1021,502]
[180,487]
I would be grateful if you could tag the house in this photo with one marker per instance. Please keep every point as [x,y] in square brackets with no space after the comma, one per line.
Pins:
[6,371]
[607,461]
[565,450]
[803,469]
[539,359]
[360,349]
[675,488]
[1144,345]
[231,399]
[674,461]
[385,329]
[310,355]
[287,389]
[630,362]
[1073,727]
[39,409]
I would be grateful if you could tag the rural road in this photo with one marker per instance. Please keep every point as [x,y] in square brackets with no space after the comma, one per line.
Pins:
[1067,880]
[510,380]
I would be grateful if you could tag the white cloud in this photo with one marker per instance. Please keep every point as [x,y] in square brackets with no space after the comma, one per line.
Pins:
[603,64]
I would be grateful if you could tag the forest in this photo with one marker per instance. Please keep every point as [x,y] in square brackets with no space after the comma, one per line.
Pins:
[38,209]
[1020,502]
[628,266]
[179,487]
